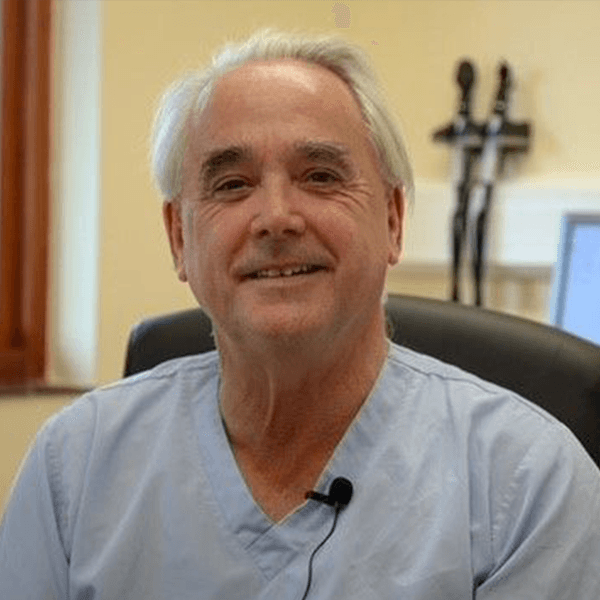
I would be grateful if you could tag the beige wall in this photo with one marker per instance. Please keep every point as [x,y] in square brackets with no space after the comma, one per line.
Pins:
[553,46]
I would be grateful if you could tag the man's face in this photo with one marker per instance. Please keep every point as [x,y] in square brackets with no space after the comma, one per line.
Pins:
[284,226]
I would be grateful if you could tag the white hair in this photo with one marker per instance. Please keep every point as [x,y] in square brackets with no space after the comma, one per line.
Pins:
[191,94]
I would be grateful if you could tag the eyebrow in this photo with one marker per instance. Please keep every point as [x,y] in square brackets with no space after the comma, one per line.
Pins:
[221,158]
[331,153]
[327,153]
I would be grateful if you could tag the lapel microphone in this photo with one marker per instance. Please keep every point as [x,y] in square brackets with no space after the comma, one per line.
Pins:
[340,494]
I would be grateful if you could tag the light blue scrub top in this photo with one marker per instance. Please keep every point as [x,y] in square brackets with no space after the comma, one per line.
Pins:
[461,490]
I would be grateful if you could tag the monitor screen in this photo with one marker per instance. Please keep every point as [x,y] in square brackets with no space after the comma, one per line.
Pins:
[576,289]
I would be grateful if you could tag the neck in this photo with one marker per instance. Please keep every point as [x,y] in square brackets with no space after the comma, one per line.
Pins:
[285,413]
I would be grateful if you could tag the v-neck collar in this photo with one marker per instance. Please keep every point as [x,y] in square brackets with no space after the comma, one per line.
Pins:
[272,546]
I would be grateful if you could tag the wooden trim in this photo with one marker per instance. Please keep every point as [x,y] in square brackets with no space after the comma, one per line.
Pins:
[24,188]
[37,185]
[13,367]
[34,391]
[13,24]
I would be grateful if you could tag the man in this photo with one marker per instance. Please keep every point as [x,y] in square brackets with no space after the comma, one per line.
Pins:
[284,188]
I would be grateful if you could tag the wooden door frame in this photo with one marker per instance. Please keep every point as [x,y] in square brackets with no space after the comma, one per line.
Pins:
[24,189]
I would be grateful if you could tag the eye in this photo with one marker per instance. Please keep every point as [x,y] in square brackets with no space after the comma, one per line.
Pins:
[323,177]
[231,185]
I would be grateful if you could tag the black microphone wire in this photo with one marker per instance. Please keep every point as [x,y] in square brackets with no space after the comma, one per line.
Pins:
[338,508]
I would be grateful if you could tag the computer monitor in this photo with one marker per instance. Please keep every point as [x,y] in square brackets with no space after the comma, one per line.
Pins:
[575,303]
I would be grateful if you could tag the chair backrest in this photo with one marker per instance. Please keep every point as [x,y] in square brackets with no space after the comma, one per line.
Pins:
[556,370]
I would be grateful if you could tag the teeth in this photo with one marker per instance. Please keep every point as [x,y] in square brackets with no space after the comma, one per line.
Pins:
[282,272]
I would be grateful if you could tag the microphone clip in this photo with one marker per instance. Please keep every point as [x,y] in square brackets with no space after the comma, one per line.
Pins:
[340,493]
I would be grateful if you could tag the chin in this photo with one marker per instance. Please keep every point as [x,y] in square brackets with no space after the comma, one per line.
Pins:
[285,324]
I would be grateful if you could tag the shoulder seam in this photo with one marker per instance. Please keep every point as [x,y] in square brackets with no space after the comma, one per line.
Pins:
[163,371]
[476,381]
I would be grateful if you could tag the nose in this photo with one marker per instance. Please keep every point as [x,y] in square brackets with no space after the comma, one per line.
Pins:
[276,212]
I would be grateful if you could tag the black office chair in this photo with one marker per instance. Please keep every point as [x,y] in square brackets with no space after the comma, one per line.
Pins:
[556,370]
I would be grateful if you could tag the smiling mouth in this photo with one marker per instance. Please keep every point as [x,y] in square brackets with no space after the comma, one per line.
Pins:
[288,272]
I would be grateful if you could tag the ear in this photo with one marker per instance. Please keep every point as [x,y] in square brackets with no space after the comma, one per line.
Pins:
[172,220]
[396,209]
